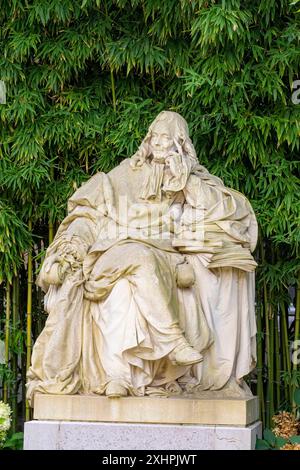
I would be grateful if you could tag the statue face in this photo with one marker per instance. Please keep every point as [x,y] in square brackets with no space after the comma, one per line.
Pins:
[162,141]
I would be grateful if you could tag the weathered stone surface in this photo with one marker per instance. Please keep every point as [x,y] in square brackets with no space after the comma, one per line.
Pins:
[62,435]
[175,410]
[150,282]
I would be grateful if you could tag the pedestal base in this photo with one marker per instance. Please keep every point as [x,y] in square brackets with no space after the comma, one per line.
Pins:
[63,435]
[142,423]
[172,410]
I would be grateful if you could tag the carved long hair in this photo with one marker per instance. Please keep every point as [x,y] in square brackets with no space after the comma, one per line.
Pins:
[182,140]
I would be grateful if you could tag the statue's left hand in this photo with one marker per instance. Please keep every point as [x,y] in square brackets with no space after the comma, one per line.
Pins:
[59,270]
[68,260]
[68,264]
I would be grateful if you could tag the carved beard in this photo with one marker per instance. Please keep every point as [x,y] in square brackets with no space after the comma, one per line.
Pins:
[161,179]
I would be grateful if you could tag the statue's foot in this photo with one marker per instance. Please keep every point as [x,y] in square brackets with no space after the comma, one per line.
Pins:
[185,356]
[115,390]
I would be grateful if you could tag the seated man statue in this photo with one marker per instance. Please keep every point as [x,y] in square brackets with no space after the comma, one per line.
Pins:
[150,279]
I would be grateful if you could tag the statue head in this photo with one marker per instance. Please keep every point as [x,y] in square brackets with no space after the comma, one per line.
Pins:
[167,133]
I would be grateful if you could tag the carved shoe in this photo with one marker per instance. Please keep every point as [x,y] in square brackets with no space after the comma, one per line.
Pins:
[115,390]
[185,356]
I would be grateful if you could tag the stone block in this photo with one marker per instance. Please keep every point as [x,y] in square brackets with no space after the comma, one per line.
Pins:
[63,435]
[173,410]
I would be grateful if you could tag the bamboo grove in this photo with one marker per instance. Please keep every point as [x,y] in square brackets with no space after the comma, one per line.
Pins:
[84,79]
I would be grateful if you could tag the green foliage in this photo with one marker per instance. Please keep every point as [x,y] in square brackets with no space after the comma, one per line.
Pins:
[14,239]
[272,442]
[226,66]
[14,442]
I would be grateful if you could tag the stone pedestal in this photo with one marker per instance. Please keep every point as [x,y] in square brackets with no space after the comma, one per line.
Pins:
[100,423]
[76,435]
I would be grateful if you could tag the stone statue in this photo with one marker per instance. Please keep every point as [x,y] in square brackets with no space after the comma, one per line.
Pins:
[150,280]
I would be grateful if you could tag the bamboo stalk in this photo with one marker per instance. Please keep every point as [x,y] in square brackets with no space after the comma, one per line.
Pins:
[29,316]
[152,80]
[51,232]
[284,349]
[296,335]
[260,387]
[23,383]
[277,362]
[22,320]
[269,324]
[50,225]
[271,362]
[269,388]
[7,340]
[14,400]
[260,351]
